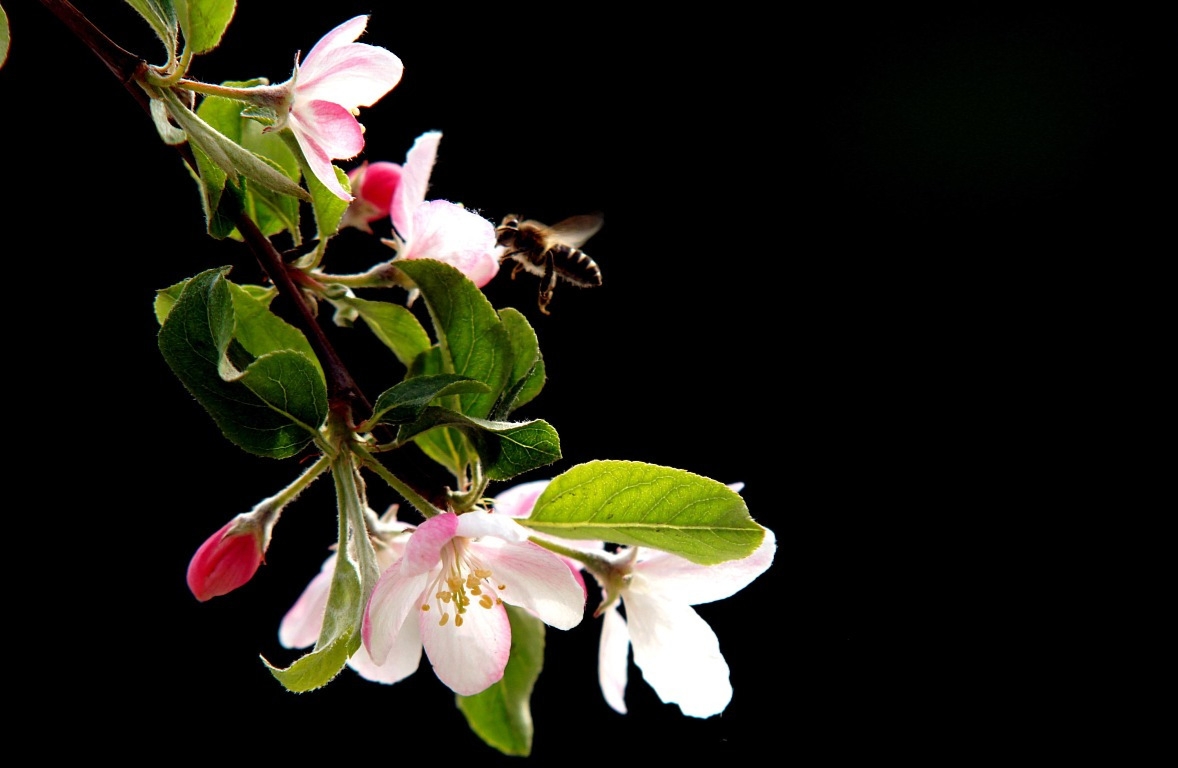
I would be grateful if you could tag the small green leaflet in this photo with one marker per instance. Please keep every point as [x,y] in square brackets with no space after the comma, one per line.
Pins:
[628,502]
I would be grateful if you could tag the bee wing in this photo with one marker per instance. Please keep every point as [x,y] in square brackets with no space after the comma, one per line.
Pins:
[575,230]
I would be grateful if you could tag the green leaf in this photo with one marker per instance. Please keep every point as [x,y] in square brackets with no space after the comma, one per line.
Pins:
[405,401]
[274,406]
[448,447]
[506,448]
[502,715]
[5,36]
[628,502]
[161,17]
[211,180]
[166,298]
[527,366]
[352,581]
[394,325]
[204,22]
[474,342]
[261,331]
[338,639]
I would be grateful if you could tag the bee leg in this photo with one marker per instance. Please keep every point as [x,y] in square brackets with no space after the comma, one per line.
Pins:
[547,286]
[519,267]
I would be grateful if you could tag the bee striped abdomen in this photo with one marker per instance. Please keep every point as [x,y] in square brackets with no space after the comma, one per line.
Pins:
[575,266]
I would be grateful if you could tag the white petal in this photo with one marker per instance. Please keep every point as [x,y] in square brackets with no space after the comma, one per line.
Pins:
[613,659]
[472,657]
[535,579]
[403,660]
[393,599]
[475,525]
[695,584]
[678,654]
[415,173]
[301,624]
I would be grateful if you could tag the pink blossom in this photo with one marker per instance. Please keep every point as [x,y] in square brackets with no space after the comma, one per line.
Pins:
[373,185]
[228,558]
[449,589]
[320,101]
[438,229]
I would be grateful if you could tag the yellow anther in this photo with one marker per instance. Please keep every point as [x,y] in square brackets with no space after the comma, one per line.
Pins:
[482,573]
[476,590]
[425,607]
[486,601]
[458,620]
[502,586]
[444,619]
[472,581]
[444,596]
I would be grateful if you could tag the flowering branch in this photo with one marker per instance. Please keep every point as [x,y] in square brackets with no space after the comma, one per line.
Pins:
[478,582]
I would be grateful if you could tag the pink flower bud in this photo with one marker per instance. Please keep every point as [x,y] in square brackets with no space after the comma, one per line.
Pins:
[373,185]
[228,559]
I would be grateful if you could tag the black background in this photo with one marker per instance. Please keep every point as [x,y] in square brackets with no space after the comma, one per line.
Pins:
[839,252]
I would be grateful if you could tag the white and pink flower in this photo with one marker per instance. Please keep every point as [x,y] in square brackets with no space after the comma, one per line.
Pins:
[320,102]
[439,229]
[447,594]
[677,651]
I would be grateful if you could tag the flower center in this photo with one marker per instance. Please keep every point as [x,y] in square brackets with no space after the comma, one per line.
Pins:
[462,580]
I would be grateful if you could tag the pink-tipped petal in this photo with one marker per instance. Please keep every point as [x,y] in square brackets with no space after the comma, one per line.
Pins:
[518,500]
[613,659]
[403,658]
[423,551]
[450,233]
[470,658]
[394,599]
[535,579]
[342,35]
[356,76]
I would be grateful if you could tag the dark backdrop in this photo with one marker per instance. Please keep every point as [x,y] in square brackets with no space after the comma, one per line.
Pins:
[828,242]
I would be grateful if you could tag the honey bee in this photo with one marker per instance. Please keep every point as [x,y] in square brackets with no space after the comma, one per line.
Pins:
[551,251]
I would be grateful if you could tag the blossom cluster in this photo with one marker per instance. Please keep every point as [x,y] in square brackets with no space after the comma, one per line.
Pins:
[445,582]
